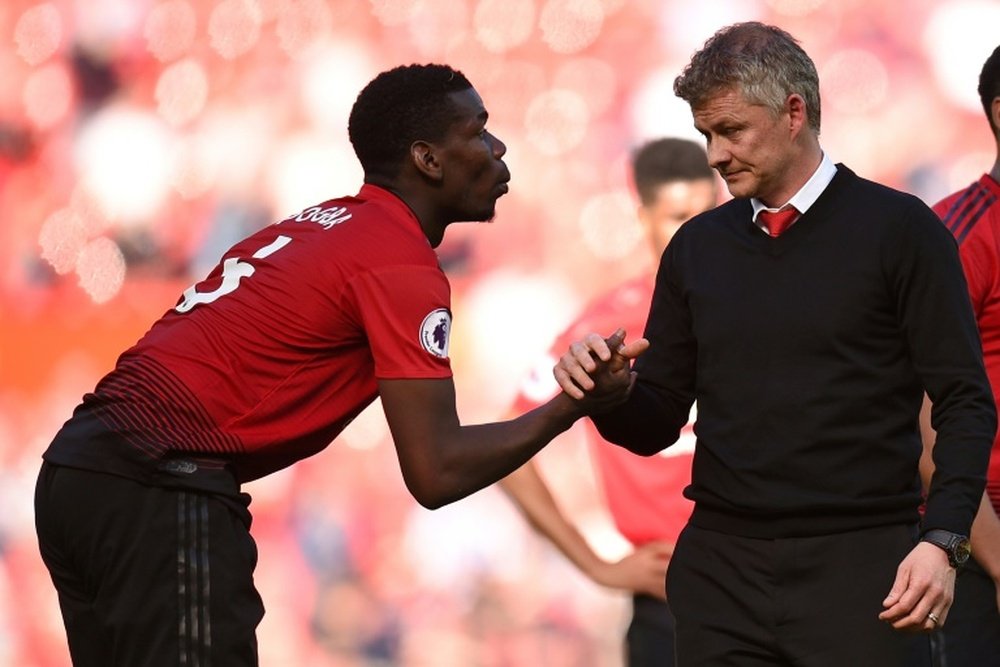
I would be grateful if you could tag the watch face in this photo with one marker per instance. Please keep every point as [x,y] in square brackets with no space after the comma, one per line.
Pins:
[962,550]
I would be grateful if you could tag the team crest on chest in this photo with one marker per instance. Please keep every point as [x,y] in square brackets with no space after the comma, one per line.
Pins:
[434,332]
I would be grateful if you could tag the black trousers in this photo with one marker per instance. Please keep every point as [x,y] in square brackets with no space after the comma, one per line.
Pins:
[148,575]
[795,602]
[649,641]
[971,634]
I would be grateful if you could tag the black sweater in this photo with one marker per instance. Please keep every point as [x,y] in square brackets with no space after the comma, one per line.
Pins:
[808,355]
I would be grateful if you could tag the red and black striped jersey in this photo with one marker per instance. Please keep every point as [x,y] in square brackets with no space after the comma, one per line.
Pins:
[973,216]
[267,359]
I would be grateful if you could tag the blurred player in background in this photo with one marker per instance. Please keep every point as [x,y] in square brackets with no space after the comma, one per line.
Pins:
[674,182]
[972,633]
[139,512]
[807,317]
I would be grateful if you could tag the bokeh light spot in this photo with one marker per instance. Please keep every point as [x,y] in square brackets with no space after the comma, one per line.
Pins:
[571,25]
[124,158]
[495,312]
[61,239]
[181,91]
[855,81]
[193,176]
[957,39]
[329,106]
[594,80]
[608,224]
[501,25]
[655,111]
[307,170]
[48,95]
[170,30]
[100,268]
[38,33]
[434,26]
[303,25]
[556,121]
[795,7]
[234,27]
[368,430]
[393,12]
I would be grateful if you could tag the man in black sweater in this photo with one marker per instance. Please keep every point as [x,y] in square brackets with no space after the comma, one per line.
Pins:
[808,343]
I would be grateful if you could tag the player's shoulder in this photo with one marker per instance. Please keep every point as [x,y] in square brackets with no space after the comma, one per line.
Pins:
[373,228]
[962,210]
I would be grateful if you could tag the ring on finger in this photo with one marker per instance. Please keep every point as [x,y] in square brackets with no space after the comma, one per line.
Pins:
[933,618]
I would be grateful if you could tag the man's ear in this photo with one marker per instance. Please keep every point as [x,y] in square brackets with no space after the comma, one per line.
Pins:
[795,105]
[995,111]
[425,158]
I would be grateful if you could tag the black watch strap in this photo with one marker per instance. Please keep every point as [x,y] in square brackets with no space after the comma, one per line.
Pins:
[955,545]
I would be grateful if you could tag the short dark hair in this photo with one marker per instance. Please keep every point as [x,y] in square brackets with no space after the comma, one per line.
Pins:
[665,160]
[989,86]
[399,106]
[762,61]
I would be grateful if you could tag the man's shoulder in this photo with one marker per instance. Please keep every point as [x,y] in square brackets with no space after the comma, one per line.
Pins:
[846,179]
[874,204]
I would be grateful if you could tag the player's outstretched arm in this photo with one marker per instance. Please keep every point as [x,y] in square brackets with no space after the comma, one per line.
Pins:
[443,461]
[643,571]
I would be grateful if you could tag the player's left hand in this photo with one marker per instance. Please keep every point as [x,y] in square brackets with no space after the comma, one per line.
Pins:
[923,591]
[642,571]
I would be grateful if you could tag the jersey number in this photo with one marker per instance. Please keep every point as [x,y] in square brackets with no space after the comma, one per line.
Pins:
[233,270]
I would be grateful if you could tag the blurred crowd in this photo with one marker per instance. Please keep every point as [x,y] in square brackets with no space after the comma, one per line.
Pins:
[140,138]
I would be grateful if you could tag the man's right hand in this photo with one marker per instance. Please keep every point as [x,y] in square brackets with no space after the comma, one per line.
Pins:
[596,370]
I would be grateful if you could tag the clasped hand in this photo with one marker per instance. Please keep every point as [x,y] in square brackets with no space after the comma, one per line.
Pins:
[596,371]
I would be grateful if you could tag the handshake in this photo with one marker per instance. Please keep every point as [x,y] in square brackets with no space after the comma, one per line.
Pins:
[596,372]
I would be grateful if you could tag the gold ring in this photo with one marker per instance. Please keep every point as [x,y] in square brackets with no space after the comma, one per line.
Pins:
[934,618]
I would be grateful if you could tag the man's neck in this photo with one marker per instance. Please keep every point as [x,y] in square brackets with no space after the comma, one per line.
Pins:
[995,171]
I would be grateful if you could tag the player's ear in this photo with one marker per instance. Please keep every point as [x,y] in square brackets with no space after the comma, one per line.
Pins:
[425,158]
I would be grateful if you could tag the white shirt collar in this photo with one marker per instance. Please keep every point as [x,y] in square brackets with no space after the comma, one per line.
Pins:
[808,193]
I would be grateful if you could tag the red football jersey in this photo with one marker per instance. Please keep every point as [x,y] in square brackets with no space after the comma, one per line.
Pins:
[644,494]
[973,216]
[265,361]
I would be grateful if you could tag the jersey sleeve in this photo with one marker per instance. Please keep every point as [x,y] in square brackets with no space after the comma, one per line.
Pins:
[978,252]
[406,315]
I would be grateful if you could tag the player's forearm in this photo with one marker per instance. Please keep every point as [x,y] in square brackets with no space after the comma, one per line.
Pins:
[985,534]
[528,491]
[985,539]
[466,459]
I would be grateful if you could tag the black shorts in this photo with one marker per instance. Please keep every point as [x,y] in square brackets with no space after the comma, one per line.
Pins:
[148,575]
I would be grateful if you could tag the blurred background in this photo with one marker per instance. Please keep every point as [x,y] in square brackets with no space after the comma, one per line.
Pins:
[140,138]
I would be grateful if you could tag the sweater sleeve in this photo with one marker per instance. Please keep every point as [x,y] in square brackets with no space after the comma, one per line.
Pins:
[661,400]
[936,314]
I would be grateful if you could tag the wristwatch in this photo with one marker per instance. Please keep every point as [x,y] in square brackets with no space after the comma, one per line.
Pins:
[955,545]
